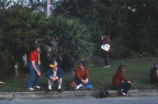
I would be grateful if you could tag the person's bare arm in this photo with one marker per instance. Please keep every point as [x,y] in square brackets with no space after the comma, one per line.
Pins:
[102,38]
[130,83]
[35,68]
[39,61]
[85,81]
[1,82]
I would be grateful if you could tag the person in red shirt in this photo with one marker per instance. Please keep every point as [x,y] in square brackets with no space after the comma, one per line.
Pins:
[120,82]
[33,65]
[82,77]
[106,40]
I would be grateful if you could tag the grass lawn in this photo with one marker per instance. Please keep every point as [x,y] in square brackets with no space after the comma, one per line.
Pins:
[137,72]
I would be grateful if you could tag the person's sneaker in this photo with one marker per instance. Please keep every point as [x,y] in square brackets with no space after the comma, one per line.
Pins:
[38,87]
[49,89]
[124,94]
[108,66]
[78,87]
[31,89]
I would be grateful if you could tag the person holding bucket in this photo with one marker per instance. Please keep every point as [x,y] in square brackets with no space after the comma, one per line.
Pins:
[106,49]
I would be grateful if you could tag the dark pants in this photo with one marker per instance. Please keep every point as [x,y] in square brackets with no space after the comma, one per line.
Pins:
[106,58]
[124,87]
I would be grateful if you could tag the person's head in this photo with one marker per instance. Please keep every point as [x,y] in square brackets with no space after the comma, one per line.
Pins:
[37,48]
[81,64]
[121,68]
[54,65]
[156,66]
[104,35]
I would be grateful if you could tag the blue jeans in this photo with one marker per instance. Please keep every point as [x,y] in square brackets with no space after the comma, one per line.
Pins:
[85,86]
[34,78]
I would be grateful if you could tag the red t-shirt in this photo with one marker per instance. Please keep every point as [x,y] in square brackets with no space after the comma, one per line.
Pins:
[106,41]
[118,78]
[34,56]
[81,74]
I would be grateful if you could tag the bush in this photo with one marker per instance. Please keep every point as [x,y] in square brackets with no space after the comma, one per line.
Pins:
[72,41]
[134,22]
[20,28]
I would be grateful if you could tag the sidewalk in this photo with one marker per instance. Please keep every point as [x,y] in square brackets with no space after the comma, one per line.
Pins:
[42,94]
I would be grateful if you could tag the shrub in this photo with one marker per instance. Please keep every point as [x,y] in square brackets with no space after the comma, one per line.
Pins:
[72,40]
[20,28]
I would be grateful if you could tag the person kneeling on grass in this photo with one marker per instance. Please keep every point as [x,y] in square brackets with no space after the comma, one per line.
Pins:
[54,74]
[81,78]
[120,82]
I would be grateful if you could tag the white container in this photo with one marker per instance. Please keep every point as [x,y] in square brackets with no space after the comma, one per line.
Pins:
[105,47]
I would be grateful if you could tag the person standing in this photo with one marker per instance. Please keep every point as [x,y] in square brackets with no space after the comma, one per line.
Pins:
[106,40]
[33,65]
[120,82]
[55,74]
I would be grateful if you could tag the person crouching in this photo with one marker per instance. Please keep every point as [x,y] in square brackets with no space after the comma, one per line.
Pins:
[54,74]
[81,78]
[120,82]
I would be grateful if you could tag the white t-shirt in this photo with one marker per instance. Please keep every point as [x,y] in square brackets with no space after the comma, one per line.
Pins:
[54,73]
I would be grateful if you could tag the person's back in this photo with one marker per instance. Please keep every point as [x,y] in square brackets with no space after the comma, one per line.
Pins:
[115,80]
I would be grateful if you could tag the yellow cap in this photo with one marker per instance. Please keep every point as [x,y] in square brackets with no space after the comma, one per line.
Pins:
[54,64]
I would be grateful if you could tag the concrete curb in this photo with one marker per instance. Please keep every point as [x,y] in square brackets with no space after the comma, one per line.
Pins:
[42,94]
[133,93]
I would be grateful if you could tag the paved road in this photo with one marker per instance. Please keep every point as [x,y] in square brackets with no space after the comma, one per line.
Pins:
[85,100]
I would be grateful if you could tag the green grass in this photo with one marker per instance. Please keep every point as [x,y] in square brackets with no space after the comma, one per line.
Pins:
[20,84]
[137,72]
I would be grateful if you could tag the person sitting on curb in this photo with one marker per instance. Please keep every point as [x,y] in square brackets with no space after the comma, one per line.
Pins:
[120,82]
[154,75]
[81,79]
[54,74]
[1,82]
